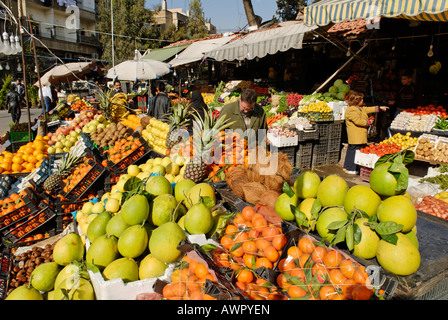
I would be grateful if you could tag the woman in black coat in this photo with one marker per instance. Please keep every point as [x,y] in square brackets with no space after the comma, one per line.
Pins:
[197,106]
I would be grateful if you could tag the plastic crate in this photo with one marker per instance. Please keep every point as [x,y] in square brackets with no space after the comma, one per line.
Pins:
[303,161]
[335,130]
[94,174]
[37,221]
[332,158]
[305,149]
[290,152]
[364,173]
[16,145]
[283,141]
[323,131]
[306,135]
[320,148]
[138,154]
[111,178]
[334,145]
[5,263]
[20,136]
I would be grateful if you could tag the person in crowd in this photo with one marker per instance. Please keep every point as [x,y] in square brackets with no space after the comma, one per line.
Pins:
[159,105]
[13,103]
[54,96]
[246,114]
[357,121]
[117,87]
[197,106]
[20,88]
[408,96]
[46,96]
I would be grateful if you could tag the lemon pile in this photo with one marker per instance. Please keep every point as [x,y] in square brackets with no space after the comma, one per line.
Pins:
[320,106]
[442,196]
[155,134]
[208,97]
[403,140]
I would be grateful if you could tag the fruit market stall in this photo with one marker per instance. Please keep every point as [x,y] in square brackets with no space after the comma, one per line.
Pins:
[135,213]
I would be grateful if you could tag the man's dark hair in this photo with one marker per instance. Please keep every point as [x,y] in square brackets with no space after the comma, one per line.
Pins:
[249,96]
[407,74]
[161,86]
[117,81]
[12,86]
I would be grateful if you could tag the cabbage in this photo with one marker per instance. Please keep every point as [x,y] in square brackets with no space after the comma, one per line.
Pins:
[341,96]
[333,89]
[344,88]
[338,82]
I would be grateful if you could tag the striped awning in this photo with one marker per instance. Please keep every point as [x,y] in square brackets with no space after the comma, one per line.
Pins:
[327,11]
[262,42]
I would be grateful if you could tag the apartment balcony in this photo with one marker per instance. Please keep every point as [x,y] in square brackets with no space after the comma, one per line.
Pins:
[86,11]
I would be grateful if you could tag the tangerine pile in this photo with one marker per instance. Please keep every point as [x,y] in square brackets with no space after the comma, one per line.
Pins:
[251,237]
[187,282]
[13,202]
[79,172]
[27,158]
[132,121]
[312,271]
[123,148]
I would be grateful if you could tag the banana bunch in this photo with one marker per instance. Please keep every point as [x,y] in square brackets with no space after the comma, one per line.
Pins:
[119,103]
[71,97]
[208,97]
[435,68]
[442,196]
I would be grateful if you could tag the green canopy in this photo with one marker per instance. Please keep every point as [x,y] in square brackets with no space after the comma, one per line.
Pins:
[164,54]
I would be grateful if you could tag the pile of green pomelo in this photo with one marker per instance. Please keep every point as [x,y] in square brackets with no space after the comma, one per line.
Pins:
[372,221]
[135,243]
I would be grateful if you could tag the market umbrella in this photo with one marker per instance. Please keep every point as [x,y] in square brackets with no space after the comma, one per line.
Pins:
[138,69]
[65,72]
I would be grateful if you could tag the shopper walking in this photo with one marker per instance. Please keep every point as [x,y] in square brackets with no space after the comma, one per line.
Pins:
[13,103]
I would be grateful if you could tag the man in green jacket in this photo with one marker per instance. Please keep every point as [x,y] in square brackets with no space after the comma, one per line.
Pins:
[249,116]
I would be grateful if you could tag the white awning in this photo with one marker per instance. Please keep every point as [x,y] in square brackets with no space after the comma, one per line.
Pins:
[195,51]
[261,43]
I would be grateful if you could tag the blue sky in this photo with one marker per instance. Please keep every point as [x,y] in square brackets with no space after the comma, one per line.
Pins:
[226,15]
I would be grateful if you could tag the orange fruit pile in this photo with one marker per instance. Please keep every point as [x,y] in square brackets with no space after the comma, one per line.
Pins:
[123,148]
[132,121]
[250,236]
[319,273]
[15,201]
[187,282]
[27,158]
[256,288]
[76,175]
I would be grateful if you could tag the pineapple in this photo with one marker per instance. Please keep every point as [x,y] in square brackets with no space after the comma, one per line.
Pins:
[53,181]
[112,106]
[178,119]
[204,132]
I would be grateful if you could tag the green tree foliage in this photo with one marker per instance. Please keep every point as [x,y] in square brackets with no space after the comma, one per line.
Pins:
[132,28]
[288,9]
[174,34]
[5,89]
[196,27]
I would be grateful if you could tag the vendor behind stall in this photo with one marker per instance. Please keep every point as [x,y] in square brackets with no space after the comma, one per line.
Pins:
[247,115]
[408,96]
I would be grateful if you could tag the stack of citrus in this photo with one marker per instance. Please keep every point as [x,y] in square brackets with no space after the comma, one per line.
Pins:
[187,282]
[132,121]
[27,158]
[258,242]
[312,271]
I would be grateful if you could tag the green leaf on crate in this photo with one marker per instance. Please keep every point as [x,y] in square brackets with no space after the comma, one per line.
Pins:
[132,184]
[340,235]
[287,189]
[391,238]
[386,227]
[208,247]
[349,237]
[357,234]
[335,225]
[300,217]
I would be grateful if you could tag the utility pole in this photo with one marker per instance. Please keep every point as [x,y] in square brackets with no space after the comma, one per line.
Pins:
[21,9]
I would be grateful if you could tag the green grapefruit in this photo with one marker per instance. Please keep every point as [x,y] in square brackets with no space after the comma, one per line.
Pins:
[283,206]
[332,191]
[326,218]
[398,209]
[368,245]
[363,198]
[306,184]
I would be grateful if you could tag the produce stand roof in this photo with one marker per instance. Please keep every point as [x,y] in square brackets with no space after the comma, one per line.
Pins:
[328,11]
[164,54]
[263,42]
[195,51]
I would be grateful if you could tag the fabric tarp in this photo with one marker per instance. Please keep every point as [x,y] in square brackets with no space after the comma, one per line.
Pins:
[164,54]
[195,51]
[334,11]
[262,42]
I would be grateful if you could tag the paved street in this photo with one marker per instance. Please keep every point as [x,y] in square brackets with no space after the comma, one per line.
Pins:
[5,118]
